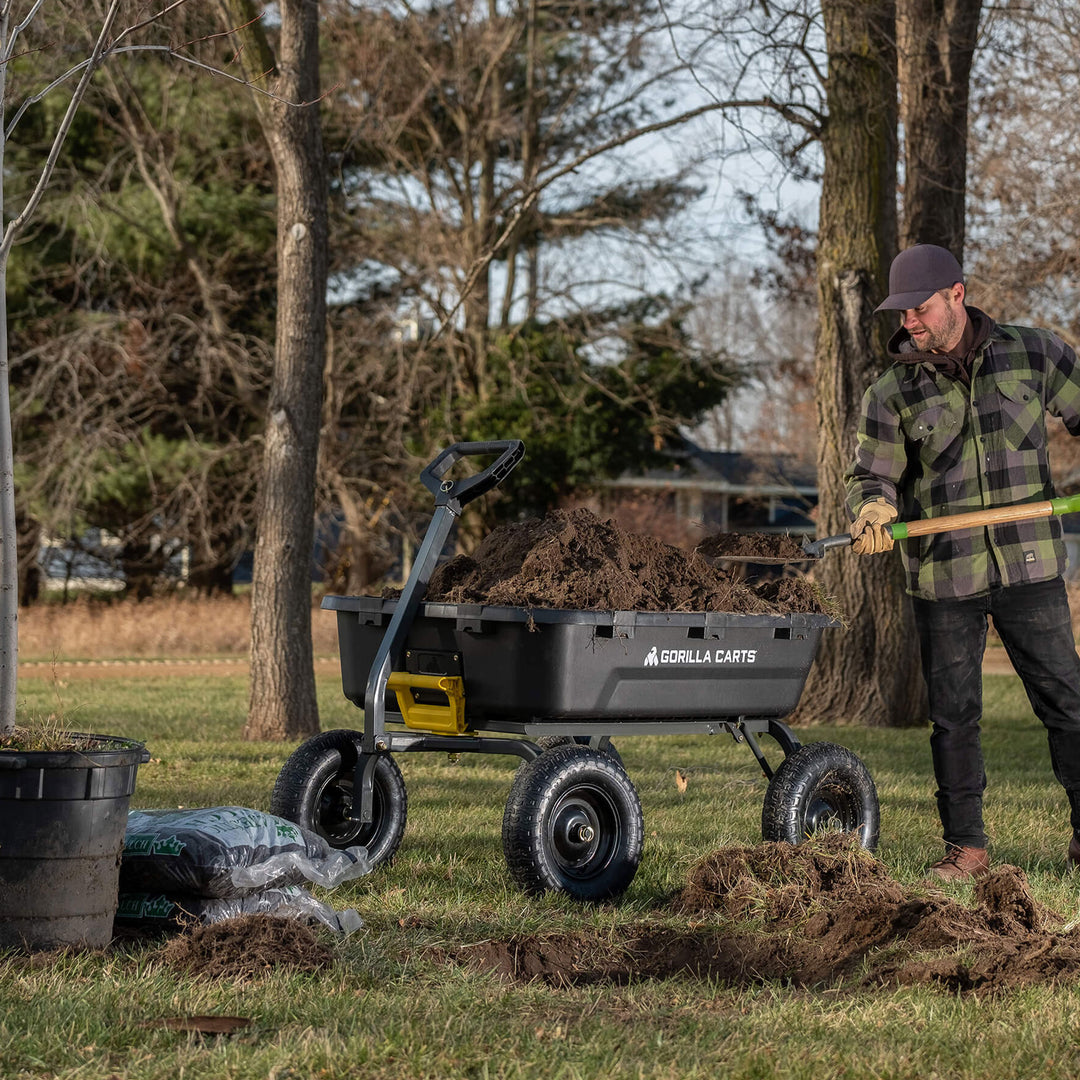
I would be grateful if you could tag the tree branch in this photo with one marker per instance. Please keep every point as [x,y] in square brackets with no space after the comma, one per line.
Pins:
[484,261]
[91,65]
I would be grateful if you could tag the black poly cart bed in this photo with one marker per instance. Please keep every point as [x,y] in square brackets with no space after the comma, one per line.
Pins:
[537,671]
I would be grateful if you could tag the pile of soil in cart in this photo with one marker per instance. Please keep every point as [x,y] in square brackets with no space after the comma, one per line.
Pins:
[573,560]
[751,546]
[811,916]
[246,947]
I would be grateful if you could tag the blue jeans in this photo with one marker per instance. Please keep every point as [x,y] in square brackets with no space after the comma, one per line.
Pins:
[1034,625]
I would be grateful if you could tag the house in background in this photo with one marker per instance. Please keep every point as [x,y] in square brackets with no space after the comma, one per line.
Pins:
[708,491]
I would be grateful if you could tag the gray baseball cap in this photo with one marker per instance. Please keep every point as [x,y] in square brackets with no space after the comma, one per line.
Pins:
[917,273]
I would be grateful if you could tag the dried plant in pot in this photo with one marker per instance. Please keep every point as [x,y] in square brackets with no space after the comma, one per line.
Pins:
[64,800]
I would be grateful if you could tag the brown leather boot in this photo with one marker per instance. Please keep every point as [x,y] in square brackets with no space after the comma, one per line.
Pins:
[962,863]
[1074,854]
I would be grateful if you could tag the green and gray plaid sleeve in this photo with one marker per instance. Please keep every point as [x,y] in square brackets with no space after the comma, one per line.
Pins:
[931,446]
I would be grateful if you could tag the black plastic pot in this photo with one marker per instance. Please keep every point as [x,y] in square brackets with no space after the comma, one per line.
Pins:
[63,814]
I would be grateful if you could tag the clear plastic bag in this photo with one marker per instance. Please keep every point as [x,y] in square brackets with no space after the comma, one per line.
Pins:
[149,910]
[224,852]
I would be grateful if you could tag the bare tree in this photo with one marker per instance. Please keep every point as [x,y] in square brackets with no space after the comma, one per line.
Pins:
[831,74]
[283,703]
[1023,204]
[142,316]
[481,135]
[492,161]
[16,27]
[772,411]
[856,124]
[302,249]
[1023,252]
[870,672]
[935,46]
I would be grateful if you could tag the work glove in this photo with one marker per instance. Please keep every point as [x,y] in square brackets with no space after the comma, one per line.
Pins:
[869,532]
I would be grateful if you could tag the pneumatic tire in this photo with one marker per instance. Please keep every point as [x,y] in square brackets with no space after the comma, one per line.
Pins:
[821,787]
[573,824]
[315,790]
[549,742]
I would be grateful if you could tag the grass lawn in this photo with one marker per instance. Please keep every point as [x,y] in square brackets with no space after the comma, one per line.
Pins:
[392,1006]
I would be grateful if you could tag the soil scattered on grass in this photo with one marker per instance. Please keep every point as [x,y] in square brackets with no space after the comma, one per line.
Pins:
[246,947]
[823,914]
[573,560]
[811,916]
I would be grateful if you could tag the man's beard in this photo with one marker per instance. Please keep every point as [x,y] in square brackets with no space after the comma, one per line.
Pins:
[950,332]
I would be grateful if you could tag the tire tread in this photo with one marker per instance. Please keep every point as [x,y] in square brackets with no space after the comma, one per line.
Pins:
[308,767]
[800,775]
[535,786]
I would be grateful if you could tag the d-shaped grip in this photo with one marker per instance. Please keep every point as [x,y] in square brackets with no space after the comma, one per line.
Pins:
[456,493]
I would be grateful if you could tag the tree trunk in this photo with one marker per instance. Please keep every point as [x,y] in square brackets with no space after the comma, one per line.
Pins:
[356,566]
[282,702]
[869,671]
[28,549]
[9,556]
[935,42]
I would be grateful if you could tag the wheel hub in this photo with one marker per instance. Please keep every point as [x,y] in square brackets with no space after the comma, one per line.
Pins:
[825,814]
[335,808]
[575,833]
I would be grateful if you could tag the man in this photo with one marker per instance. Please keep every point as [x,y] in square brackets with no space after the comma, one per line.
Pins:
[958,423]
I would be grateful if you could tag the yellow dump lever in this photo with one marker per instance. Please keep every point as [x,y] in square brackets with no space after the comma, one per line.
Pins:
[448,719]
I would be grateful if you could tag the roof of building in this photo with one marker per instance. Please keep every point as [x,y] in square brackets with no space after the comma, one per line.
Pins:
[728,471]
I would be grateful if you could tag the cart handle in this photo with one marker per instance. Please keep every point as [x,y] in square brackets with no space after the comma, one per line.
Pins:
[454,494]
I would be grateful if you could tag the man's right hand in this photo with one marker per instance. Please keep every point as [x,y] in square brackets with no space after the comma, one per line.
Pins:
[869,533]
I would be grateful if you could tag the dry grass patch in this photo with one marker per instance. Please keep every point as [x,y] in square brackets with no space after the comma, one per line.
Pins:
[175,626]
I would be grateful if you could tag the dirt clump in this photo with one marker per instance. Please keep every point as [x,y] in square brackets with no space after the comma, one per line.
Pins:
[247,947]
[750,546]
[781,881]
[573,560]
[816,915]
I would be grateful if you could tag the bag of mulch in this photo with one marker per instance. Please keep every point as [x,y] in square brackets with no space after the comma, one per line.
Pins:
[149,911]
[222,852]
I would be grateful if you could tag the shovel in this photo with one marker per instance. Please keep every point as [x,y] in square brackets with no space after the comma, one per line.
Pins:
[899,530]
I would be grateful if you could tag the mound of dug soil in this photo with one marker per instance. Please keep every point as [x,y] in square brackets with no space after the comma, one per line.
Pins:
[811,916]
[246,947]
[749,546]
[573,560]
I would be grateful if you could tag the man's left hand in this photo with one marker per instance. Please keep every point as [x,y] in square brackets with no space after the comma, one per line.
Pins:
[871,529]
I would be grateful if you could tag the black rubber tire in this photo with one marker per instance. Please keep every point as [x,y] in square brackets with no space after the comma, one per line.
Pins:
[549,742]
[821,787]
[556,797]
[315,789]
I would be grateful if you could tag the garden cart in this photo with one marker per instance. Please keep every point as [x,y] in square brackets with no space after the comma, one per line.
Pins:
[553,687]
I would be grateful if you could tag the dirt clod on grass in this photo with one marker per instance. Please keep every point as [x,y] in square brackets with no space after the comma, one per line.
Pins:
[247,947]
[814,916]
[573,560]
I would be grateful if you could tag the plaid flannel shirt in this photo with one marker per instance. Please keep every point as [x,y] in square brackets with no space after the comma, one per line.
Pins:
[932,446]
